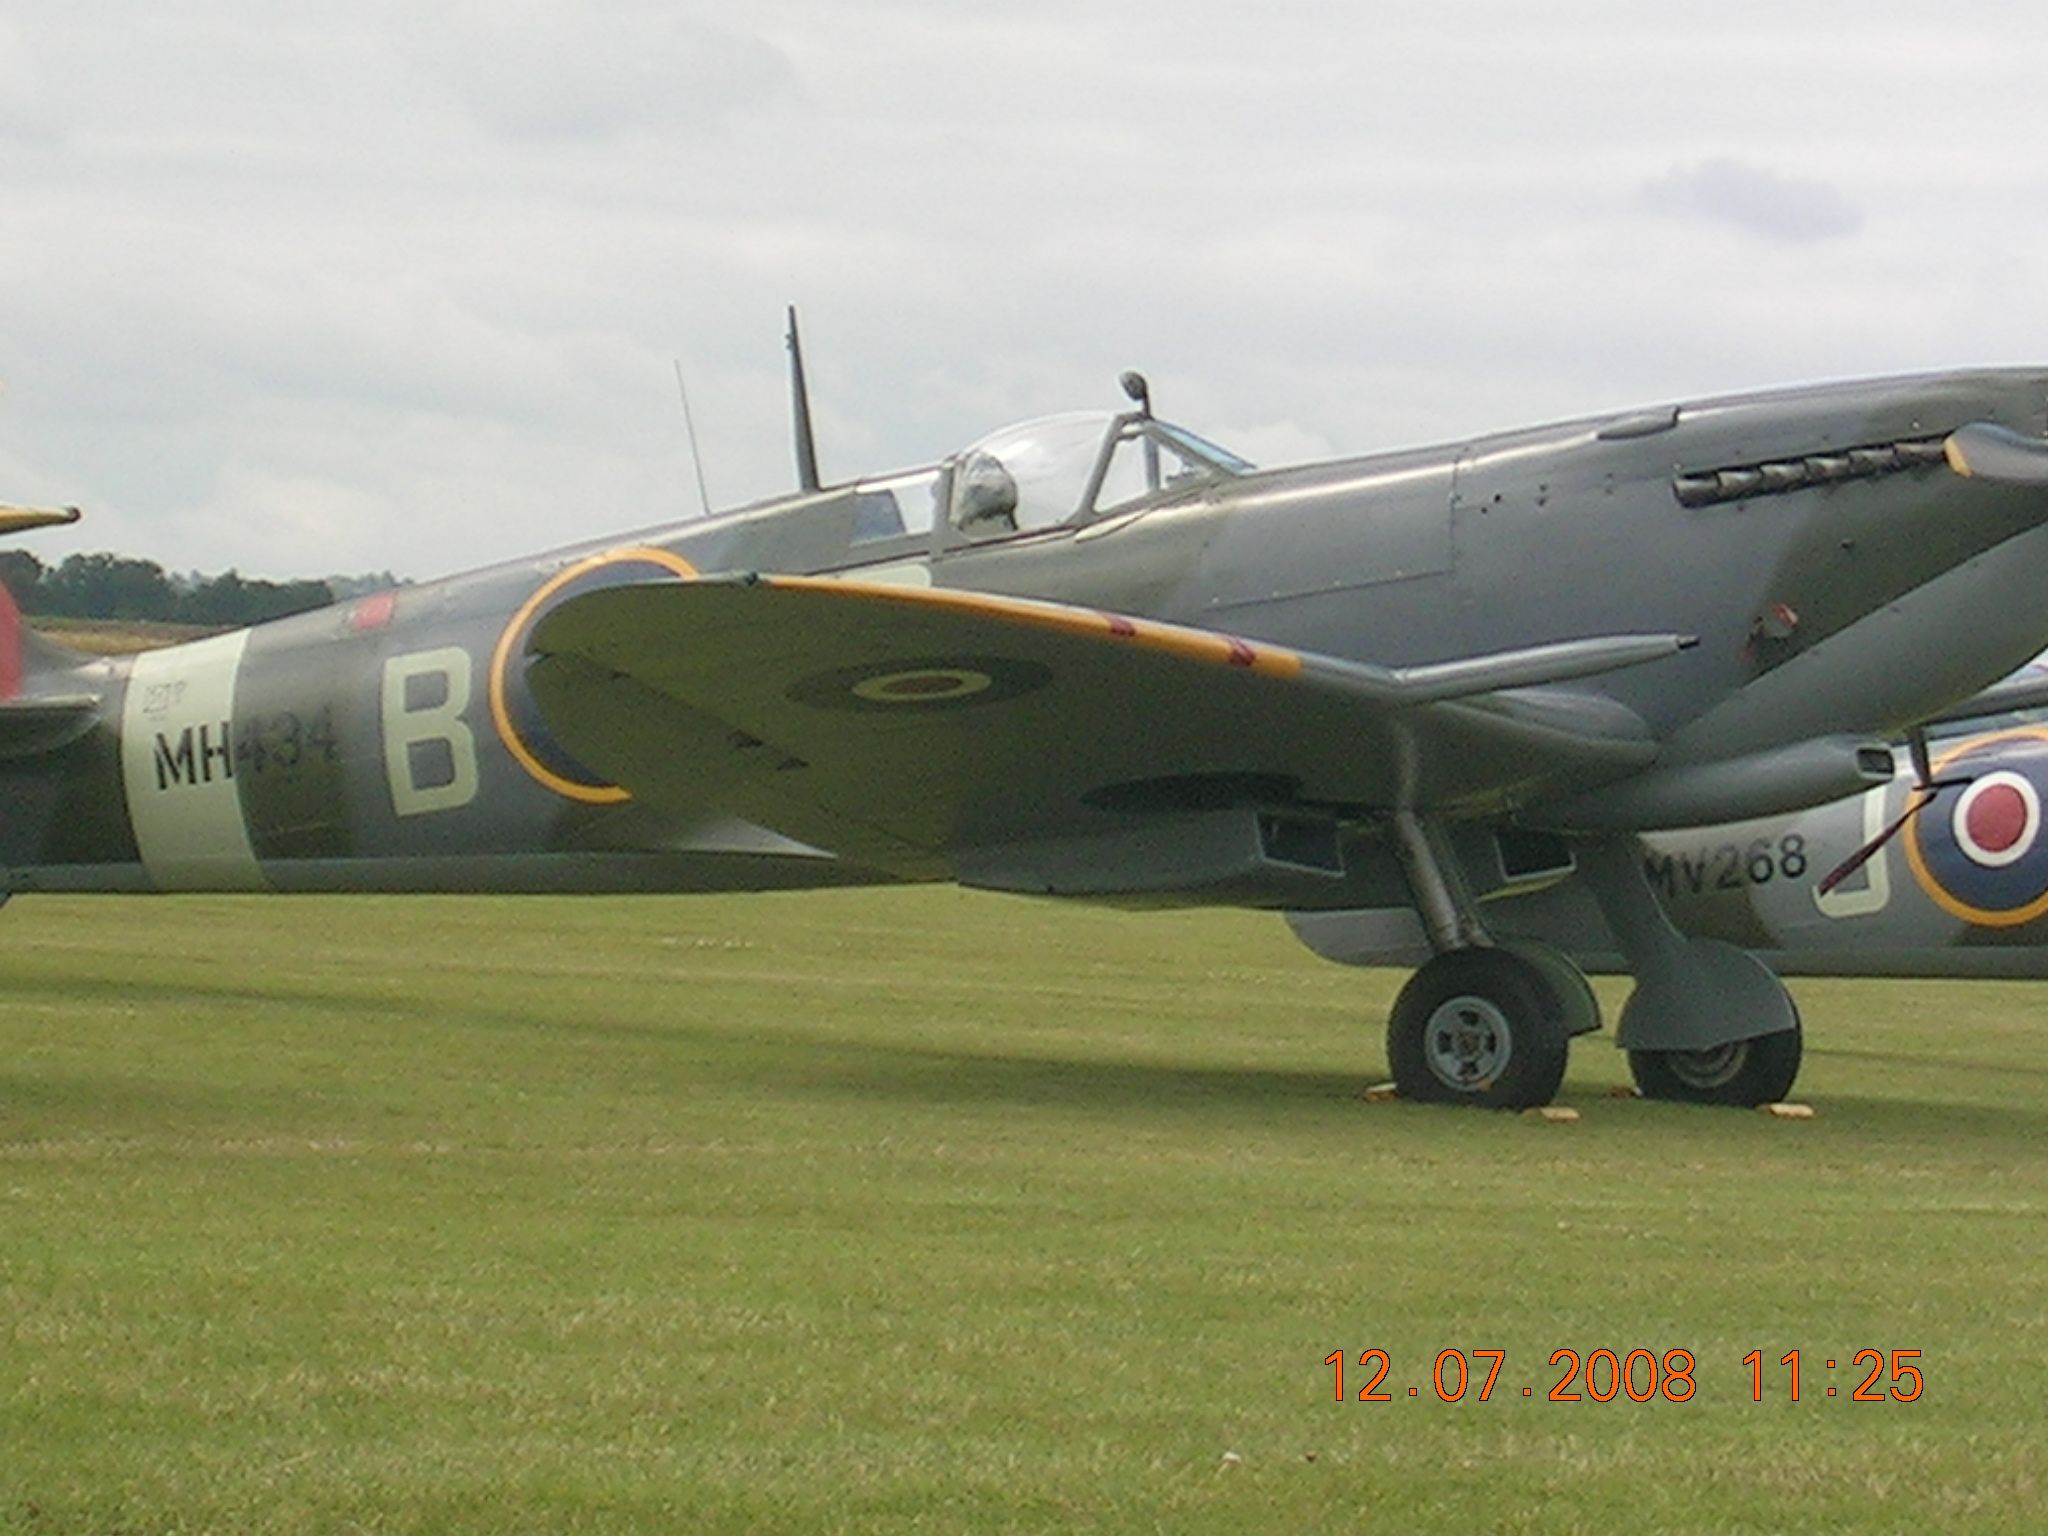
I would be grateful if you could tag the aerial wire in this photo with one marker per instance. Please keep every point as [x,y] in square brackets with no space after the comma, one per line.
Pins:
[690,430]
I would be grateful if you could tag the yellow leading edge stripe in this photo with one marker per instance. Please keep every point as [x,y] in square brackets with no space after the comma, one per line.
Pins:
[1174,639]
[1200,645]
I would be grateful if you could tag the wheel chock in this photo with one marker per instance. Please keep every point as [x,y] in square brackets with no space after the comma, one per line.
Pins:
[1380,1093]
[1787,1111]
[1560,1114]
[1624,1091]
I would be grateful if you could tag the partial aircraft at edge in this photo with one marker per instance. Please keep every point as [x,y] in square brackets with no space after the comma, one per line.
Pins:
[1437,695]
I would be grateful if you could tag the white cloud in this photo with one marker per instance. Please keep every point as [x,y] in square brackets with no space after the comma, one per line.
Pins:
[24,114]
[1756,200]
[536,72]
[299,287]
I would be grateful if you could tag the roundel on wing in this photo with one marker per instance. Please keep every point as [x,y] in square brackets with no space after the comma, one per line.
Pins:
[520,724]
[927,683]
[1977,850]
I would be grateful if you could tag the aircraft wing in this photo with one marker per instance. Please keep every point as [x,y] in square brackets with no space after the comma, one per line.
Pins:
[904,728]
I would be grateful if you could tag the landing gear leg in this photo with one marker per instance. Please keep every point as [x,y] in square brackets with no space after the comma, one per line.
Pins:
[1479,1024]
[1707,1023]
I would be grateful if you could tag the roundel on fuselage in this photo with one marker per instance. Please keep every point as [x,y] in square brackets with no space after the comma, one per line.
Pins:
[1978,848]
[520,724]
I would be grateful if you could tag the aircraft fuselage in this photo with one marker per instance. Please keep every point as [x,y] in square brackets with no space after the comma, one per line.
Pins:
[1839,578]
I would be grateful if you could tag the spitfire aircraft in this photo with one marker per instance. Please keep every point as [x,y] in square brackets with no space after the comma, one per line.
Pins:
[1095,656]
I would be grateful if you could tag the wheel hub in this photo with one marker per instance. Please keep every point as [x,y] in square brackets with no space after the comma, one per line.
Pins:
[1715,1067]
[1467,1042]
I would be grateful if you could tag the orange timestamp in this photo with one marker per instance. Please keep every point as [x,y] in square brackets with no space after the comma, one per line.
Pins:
[1893,1376]
[1601,1375]
[1605,1375]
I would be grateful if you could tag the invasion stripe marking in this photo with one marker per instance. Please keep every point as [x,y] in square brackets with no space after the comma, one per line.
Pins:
[178,767]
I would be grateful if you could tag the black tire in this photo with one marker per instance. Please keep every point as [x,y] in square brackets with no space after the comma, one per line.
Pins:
[1480,1027]
[1746,1073]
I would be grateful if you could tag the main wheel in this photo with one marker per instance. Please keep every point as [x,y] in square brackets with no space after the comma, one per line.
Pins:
[1478,1026]
[1759,1070]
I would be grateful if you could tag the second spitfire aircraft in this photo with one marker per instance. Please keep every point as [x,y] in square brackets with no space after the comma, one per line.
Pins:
[1095,656]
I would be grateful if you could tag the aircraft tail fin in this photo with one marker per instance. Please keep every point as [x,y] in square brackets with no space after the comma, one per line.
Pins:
[30,664]
[41,708]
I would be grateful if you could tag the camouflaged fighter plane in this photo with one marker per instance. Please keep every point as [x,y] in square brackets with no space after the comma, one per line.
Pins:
[1095,656]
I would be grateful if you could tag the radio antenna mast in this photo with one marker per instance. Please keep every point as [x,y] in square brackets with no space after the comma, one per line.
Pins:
[690,430]
[800,406]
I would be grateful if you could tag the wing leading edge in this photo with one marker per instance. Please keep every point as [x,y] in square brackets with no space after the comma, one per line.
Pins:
[913,728]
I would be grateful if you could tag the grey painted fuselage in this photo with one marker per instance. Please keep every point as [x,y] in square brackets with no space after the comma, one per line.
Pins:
[390,743]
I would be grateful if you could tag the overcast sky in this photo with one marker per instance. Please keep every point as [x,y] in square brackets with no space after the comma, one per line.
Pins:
[303,288]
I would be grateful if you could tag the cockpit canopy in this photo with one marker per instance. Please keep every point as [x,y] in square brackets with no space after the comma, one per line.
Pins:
[1052,472]
[1068,468]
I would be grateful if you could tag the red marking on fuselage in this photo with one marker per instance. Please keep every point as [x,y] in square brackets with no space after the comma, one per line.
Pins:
[1120,626]
[1242,655]
[374,611]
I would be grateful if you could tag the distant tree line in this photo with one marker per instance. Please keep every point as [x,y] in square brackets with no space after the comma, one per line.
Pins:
[108,586]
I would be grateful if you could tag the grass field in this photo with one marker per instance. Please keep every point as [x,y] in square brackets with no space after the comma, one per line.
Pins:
[913,1210]
[118,637]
